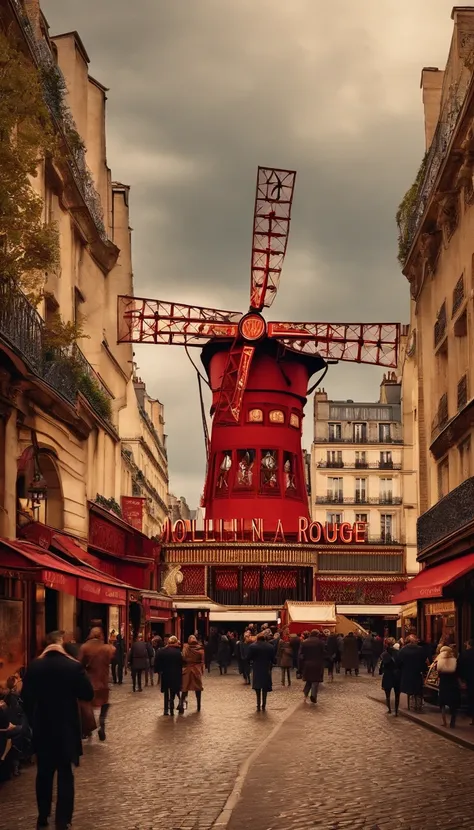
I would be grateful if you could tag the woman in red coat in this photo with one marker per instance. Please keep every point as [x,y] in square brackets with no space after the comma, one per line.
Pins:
[193,659]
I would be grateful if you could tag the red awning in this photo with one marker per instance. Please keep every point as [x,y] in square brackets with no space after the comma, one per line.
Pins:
[431,581]
[81,581]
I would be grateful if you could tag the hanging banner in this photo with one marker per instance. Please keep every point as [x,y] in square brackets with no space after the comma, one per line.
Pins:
[132,511]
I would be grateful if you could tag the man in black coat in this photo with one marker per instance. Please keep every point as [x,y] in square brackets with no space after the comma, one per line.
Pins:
[118,659]
[412,662]
[312,654]
[169,665]
[51,688]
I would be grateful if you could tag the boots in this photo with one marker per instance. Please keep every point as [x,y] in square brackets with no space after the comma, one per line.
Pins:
[198,700]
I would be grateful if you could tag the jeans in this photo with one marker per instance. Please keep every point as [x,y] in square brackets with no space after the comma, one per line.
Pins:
[137,677]
[311,687]
[45,770]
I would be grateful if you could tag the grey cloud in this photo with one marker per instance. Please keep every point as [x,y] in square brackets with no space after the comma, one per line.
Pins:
[200,94]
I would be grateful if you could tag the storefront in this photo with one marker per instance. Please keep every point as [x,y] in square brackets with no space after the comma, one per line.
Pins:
[15,593]
[158,613]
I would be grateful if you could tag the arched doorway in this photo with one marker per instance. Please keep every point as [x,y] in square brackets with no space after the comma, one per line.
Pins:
[51,511]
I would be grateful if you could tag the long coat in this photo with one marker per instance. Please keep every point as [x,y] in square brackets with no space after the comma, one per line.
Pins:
[169,665]
[51,688]
[193,659]
[262,656]
[449,692]
[224,651]
[312,654]
[412,662]
[284,654]
[390,670]
[350,653]
[95,656]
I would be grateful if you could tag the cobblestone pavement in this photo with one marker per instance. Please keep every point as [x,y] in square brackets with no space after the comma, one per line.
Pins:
[342,765]
[156,772]
[345,764]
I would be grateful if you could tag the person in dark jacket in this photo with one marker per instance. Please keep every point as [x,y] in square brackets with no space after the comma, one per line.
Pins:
[261,656]
[466,673]
[332,652]
[390,671]
[295,643]
[449,692]
[367,653]
[151,661]
[224,654]
[350,654]
[208,654]
[312,654]
[139,661]
[412,663]
[52,686]
[169,665]
[118,659]
[244,650]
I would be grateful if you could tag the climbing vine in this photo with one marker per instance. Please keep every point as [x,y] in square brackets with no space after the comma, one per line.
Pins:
[405,213]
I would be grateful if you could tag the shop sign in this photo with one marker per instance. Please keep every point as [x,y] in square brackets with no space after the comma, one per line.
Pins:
[132,511]
[433,608]
[106,536]
[59,581]
[185,530]
[102,594]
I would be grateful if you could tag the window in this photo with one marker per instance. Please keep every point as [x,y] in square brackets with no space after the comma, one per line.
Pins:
[386,527]
[334,458]
[361,459]
[245,469]
[335,432]
[289,474]
[255,416]
[359,433]
[386,460]
[277,416]
[335,491]
[386,492]
[465,459]
[443,478]
[269,471]
[294,420]
[384,433]
[361,517]
[223,472]
[334,518]
[78,301]
[361,490]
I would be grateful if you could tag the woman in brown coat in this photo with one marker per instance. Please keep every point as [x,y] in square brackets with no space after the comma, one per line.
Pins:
[193,659]
[95,656]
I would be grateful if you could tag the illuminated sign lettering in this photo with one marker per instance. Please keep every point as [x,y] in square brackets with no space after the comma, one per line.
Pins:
[236,530]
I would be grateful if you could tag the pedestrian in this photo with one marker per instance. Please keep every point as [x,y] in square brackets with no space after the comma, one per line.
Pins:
[368,653]
[193,667]
[332,650]
[337,662]
[284,657]
[138,660]
[449,692]
[151,662]
[295,643]
[169,665]
[223,654]
[244,650]
[350,654]
[95,656]
[466,673]
[390,671]
[412,663]
[51,688]
[118,659]
[208,654]
[261,656]
[312,655]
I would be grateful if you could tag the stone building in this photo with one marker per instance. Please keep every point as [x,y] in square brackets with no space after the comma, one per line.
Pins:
[357,476]
[436,233]
[66,554]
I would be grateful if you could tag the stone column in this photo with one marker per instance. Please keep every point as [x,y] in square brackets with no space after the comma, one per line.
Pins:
[8,474]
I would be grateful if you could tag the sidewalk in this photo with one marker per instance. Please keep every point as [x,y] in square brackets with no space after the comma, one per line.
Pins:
[430,718]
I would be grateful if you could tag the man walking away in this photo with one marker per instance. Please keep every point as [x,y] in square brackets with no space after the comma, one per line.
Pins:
[151,662]
[312,655]
[139,661]
[169,665]
[118,659]
[95,656]
[51,688]
[368,653]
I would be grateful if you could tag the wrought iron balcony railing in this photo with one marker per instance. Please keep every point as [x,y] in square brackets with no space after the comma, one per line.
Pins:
[450,514]
[332,440]
[22,329]
[339,498]
[367,465]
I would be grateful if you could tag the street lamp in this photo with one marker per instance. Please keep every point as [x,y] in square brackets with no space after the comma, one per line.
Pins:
[37,490]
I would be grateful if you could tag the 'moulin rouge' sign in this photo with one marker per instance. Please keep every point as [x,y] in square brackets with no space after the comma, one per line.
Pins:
[244,530]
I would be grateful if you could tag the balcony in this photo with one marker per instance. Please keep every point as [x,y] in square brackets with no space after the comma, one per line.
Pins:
[440,326]
[451,516]
[332,440]
[65,371]
[339,498]
[350,465]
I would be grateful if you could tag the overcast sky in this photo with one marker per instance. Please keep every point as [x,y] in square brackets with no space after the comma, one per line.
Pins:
[201,93]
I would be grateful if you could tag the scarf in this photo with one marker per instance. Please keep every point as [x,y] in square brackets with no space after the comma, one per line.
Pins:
[59,648]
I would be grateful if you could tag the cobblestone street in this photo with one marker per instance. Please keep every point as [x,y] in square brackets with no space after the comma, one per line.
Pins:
[342,764]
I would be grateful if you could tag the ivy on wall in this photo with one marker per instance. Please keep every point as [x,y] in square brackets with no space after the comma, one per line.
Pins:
[406,211]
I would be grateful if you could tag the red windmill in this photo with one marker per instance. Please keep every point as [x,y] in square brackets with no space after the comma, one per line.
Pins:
[258,372]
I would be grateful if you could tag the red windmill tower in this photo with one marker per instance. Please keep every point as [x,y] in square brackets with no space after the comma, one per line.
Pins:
[258,372]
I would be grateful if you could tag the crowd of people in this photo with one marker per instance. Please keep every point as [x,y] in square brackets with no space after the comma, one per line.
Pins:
[63,696]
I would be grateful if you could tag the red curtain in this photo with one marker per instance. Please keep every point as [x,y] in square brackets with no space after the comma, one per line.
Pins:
[279,578]
[193,583]
[226,579]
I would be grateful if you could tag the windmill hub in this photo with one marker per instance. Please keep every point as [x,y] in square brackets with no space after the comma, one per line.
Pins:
[252,327]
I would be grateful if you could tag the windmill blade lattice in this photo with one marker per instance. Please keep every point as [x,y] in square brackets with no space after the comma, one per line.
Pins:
[374,343]
[154,321]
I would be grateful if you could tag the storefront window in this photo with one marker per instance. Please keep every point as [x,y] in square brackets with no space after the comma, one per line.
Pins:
[12,653]
[223,473]
[245,469]
[269,471]
[289,470]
